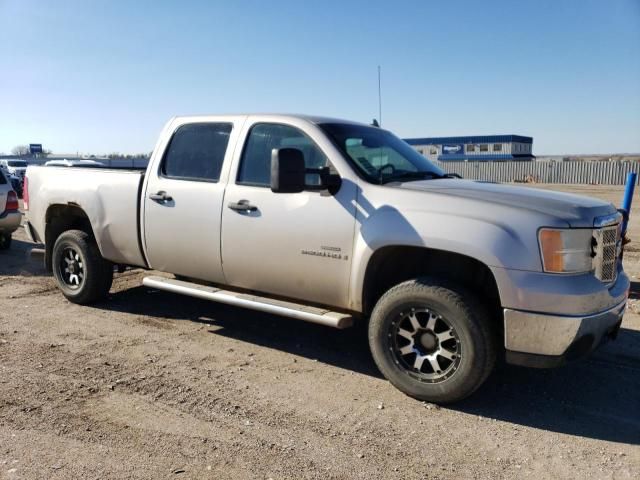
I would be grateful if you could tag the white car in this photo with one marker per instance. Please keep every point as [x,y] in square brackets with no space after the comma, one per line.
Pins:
[73,163]
[10,216]
[14,166]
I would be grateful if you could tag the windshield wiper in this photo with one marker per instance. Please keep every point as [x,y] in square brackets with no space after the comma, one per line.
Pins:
[409,176]
[450,175]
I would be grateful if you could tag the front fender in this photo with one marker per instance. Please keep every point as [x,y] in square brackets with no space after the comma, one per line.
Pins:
[493,243]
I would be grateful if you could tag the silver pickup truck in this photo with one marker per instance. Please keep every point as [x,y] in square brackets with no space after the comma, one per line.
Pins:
[331,221]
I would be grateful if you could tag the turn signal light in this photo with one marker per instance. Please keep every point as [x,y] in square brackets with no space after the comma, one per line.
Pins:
[565,250]
[551,246]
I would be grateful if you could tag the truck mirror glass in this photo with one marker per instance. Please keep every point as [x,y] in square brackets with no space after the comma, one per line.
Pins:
[287,170]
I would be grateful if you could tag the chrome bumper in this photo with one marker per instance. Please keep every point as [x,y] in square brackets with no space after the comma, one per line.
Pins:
[556,338]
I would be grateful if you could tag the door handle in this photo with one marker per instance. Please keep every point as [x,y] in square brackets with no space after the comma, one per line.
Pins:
[161,196]
[242,206]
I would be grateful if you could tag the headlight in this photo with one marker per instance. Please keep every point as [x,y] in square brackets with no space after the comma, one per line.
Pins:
[565,250]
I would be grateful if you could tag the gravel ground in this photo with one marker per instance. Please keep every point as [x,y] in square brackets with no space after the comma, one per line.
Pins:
[153,385]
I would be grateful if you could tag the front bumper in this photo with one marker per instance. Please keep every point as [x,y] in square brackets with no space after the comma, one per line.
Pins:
[543,340]
[10,221]
[563,295]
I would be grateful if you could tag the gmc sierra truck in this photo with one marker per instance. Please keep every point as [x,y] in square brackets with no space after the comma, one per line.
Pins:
[331,221]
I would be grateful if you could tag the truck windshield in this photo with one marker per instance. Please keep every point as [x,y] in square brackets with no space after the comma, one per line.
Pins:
[17,163]
[378,155]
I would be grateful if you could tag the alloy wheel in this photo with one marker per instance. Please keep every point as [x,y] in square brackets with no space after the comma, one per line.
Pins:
[425,345]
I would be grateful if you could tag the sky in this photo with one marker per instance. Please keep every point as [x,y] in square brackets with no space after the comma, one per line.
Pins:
[104,76]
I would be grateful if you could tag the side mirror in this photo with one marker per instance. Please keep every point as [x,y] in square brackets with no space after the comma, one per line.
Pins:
[287,170]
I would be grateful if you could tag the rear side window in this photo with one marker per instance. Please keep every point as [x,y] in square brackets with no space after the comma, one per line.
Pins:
[3,181]
[255,167]
[196,152]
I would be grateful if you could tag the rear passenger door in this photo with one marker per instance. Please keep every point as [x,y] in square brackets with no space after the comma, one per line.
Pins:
[183,199]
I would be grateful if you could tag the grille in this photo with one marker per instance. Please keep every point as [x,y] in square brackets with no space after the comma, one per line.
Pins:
[606,250]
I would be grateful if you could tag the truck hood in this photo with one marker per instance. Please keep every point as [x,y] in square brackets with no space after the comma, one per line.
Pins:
[578,211]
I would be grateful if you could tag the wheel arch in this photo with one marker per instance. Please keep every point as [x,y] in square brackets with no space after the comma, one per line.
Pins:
[391,265]
[58,219]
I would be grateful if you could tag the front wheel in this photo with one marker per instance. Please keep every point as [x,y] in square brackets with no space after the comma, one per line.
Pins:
[432,341]
[78,267]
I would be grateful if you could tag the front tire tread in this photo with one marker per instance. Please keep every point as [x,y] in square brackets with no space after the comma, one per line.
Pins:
[474,318]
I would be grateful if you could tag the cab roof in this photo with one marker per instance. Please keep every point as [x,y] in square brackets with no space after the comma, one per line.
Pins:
[316,119]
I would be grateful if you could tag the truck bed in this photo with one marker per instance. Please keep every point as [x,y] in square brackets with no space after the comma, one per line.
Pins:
[110,198]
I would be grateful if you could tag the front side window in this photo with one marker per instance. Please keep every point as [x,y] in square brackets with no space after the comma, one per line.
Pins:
[255,166]
[378,155]
[196,152]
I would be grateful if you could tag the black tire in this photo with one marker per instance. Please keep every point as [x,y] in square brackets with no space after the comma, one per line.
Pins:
[472,342]
[94,273]
[5,241]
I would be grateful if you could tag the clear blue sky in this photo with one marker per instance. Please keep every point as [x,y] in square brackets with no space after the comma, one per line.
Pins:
[104,76]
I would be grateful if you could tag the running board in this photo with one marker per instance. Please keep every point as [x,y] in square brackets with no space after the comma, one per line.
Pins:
[254,302]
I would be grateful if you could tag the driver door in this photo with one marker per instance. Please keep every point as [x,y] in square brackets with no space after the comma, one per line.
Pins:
[295,245]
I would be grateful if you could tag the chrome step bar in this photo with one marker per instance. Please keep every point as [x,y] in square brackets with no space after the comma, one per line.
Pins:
[254,302]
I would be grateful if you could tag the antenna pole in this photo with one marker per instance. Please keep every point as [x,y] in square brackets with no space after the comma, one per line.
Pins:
[379,97]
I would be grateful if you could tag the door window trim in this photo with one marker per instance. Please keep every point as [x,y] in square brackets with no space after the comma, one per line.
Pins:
[161,173]
[246,142]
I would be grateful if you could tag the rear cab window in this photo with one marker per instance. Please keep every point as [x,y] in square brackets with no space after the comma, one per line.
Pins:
[196,152]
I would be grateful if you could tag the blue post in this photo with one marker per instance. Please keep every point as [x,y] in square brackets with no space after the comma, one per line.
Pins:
[628,197]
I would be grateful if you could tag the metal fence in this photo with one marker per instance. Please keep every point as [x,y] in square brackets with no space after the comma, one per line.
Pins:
[577,172]
[593,173]
[125,162]
[139,162]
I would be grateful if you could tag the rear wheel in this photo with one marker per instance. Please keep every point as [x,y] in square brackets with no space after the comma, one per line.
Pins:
[81,272]
[5,241]
[432,341]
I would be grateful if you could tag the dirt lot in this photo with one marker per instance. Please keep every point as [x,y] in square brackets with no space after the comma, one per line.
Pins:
[153,385]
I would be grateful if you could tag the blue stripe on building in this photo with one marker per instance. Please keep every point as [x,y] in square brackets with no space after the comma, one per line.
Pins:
[472,139]
[484,158]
